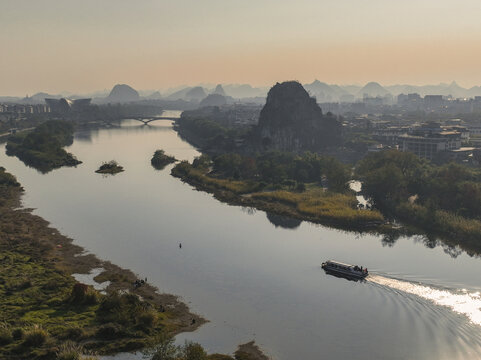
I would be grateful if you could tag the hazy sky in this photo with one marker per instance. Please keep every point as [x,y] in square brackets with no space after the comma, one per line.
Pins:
[87,45]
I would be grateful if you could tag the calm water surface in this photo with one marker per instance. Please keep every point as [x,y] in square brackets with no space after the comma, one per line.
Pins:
[252,276]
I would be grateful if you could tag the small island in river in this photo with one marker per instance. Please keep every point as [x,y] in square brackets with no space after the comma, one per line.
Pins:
[110,167]
[42,148]
[160,159]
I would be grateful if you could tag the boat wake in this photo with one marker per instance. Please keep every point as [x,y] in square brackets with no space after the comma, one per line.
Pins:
[460,301]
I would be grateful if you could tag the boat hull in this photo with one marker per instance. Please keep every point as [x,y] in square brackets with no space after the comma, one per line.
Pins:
[346,273]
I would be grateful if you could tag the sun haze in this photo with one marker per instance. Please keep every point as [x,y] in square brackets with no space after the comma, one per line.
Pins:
[84,46]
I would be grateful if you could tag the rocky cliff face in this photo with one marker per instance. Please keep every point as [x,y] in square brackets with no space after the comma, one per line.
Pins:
[123,93]
[292,121]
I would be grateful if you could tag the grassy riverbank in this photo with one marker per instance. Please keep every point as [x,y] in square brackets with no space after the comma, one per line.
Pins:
[42,306]
[312,204]
[46,314]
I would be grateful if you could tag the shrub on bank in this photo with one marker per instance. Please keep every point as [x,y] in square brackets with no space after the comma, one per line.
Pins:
[83,295]
[72,351]
[5,336]
[147,319]
[35,337]
[110,331]
[18,334]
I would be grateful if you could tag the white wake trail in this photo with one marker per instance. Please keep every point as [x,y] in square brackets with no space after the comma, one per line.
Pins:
[462,302]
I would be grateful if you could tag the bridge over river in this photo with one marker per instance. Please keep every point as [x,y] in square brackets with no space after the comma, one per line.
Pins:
[148,119]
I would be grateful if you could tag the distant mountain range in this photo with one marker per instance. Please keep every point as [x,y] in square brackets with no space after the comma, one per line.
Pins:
[325,93]
[322,91]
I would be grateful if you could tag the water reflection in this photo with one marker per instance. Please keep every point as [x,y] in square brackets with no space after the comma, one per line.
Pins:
[390,239]
[283,221]
[251,274]
[248,210]
[343,276]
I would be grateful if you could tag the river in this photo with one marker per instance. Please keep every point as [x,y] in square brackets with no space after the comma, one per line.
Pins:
[252,276]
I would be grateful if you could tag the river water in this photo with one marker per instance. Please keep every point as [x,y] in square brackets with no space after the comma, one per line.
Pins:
[255,276]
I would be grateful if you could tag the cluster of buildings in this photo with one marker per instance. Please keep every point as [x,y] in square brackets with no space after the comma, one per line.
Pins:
[430,140]
[439,103]
[24,109]
[230,115]
[406,103]
[55,106]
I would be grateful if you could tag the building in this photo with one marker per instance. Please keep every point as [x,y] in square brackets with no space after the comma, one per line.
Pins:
[429,140]
[64,105]
[432,102]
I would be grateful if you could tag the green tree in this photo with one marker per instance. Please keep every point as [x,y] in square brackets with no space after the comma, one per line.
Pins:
[163,348]
[193,351]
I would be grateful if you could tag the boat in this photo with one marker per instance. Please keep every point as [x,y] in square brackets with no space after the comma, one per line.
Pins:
[346,270]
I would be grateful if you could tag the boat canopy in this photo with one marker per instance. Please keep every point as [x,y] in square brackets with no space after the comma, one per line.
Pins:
[337,263]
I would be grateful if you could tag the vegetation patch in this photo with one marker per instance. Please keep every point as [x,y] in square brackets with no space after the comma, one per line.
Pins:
[42,148]
[307,202]
[164,348]
[322,205]
[109,167]
[160,159]
[441,200]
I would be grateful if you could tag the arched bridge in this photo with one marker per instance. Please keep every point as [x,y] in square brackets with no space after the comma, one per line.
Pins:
[148,119]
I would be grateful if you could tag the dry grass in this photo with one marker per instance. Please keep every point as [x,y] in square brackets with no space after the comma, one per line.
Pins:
[323,204]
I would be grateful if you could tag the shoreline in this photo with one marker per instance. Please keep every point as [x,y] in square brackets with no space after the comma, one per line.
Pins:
[58,253]
[73,259]
[247,200]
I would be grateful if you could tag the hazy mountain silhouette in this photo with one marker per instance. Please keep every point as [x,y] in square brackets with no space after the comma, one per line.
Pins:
[452,89]
[373,89]
[195,94]
[153,96]
[123,93]
[219,90]
[179,94]
[38,98]
[324,92]
[240,91]
[213,100]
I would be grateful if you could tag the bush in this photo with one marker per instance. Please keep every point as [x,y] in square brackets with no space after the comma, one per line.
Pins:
[164,348]
[110,331]
[147,319]
[18,334]
[5,336]
[74,333]
[83,294]
[35,337]
[301,187]
[69,351]
[72,351]
[193,351]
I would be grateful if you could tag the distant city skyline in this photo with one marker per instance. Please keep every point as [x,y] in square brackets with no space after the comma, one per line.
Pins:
[81,47]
